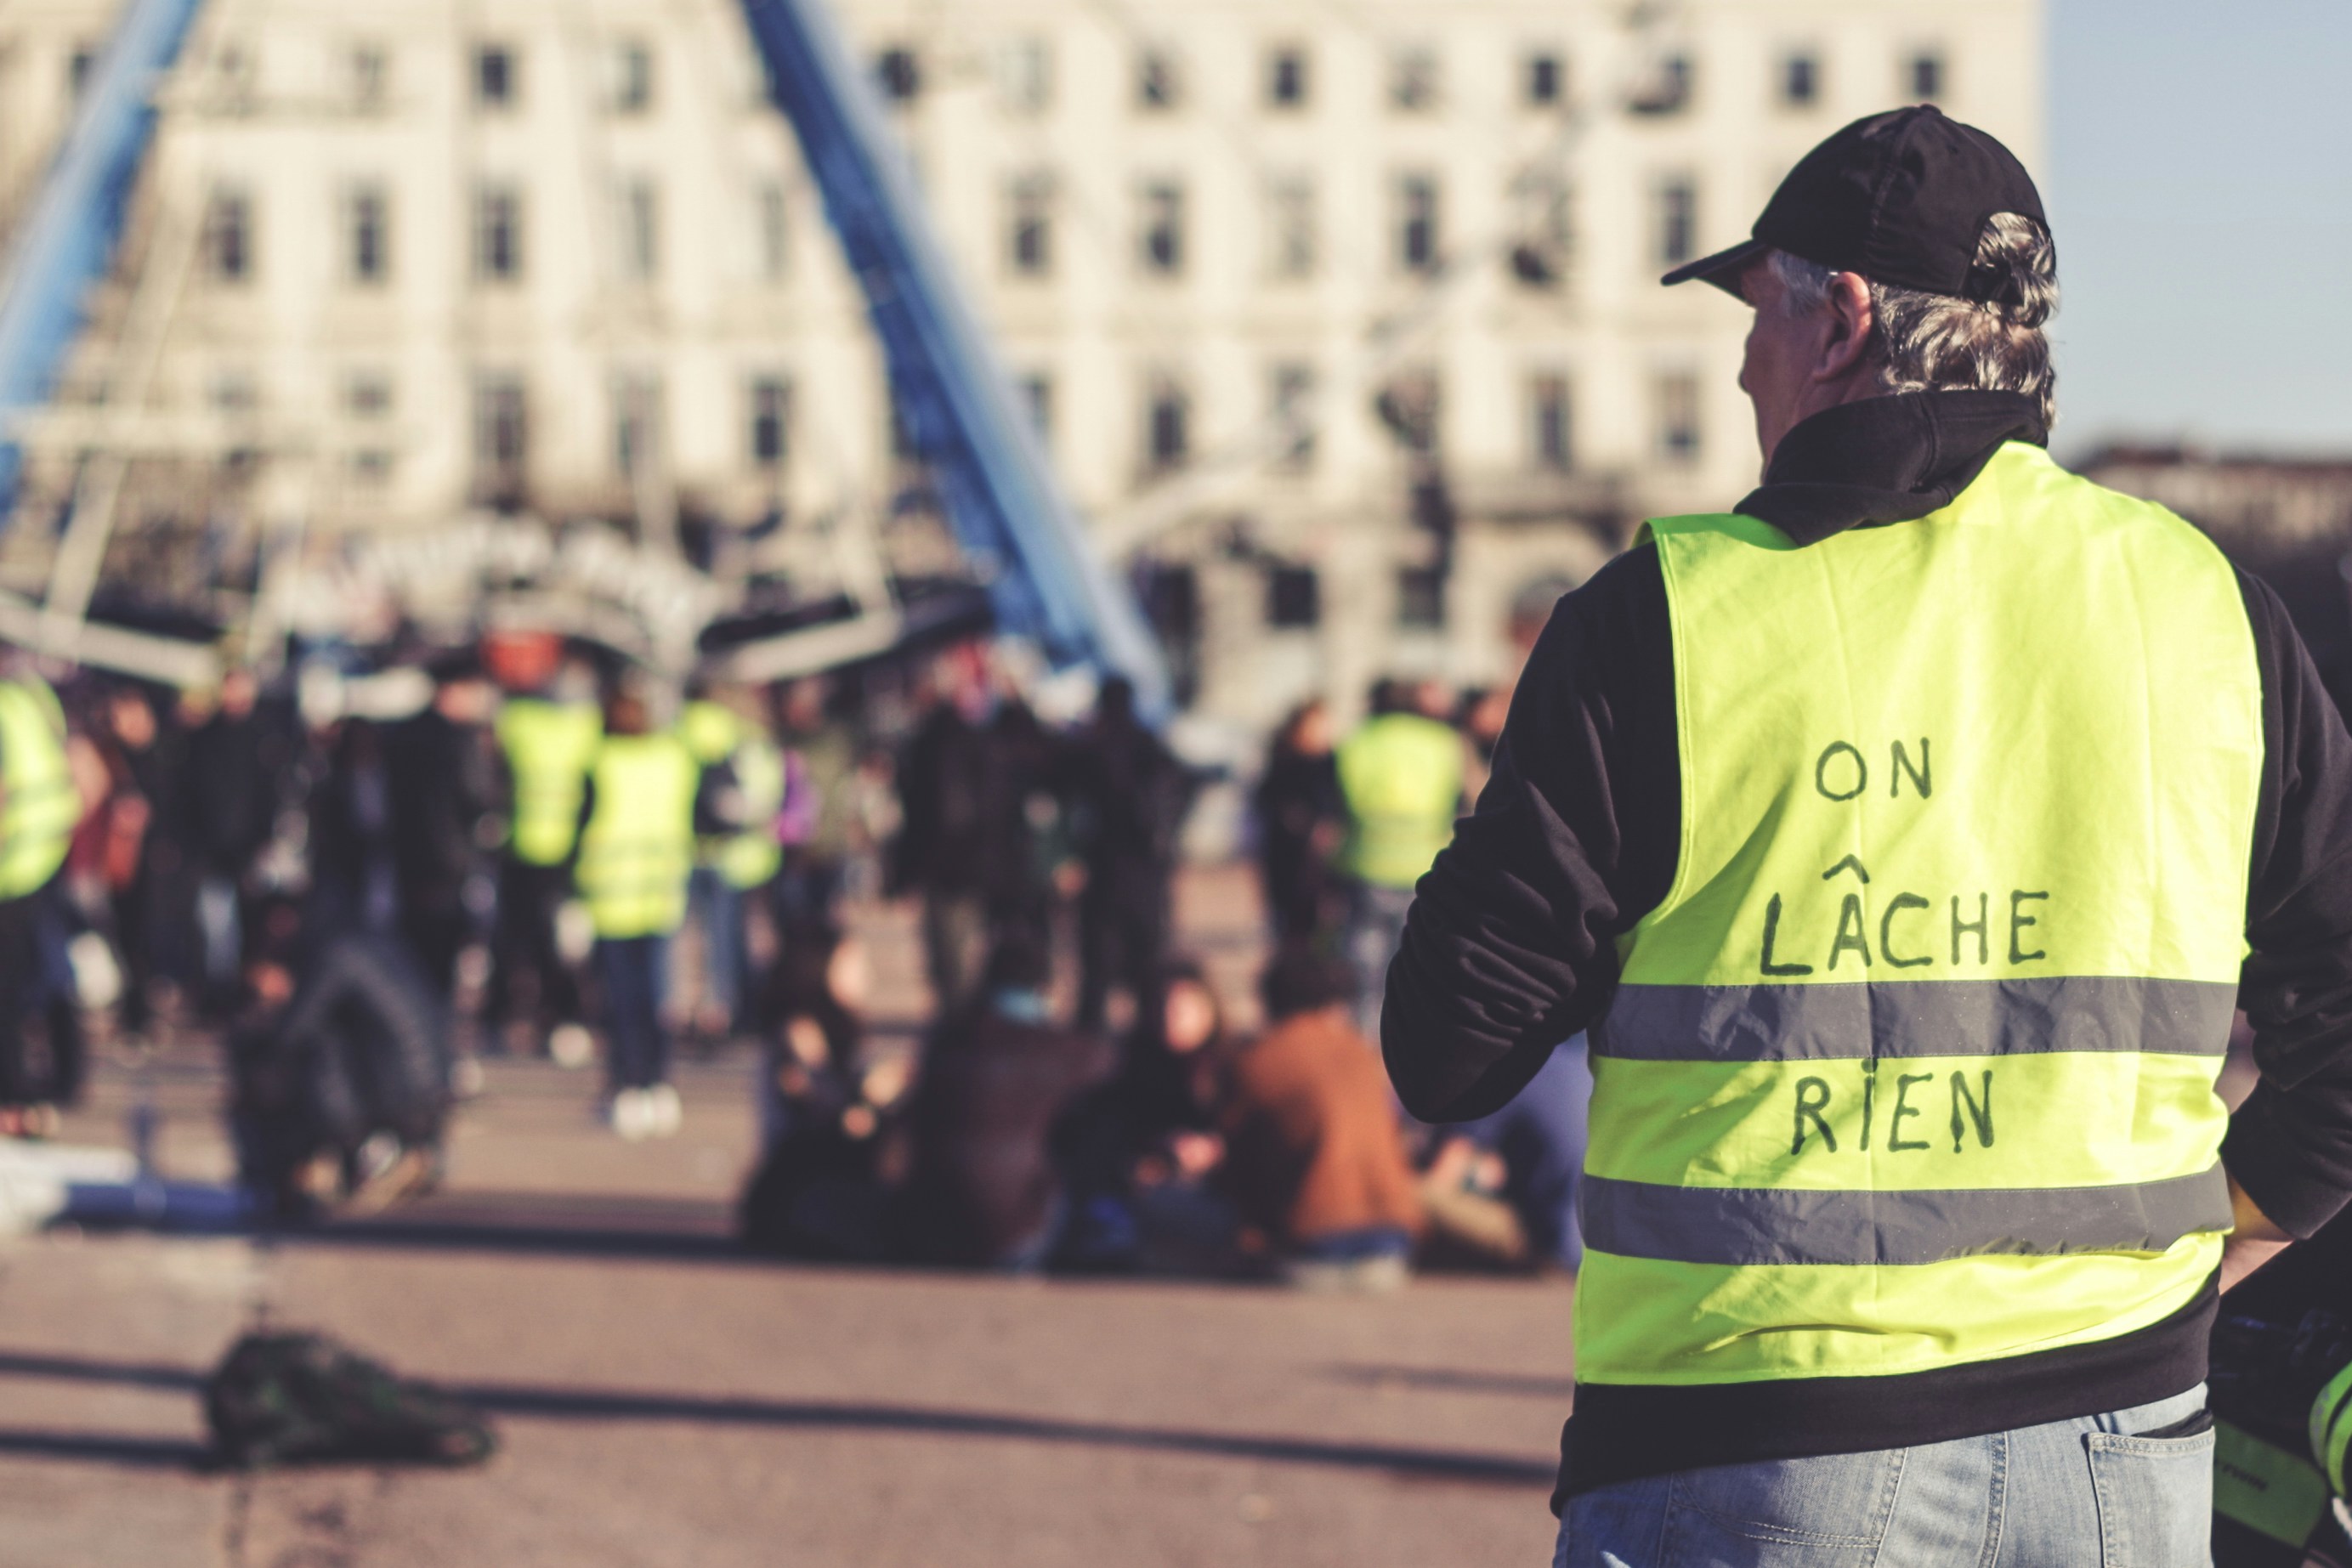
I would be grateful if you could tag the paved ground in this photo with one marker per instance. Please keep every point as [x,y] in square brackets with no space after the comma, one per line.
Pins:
[665,1402]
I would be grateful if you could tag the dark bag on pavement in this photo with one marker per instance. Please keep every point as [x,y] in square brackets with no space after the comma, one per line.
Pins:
[286,1398]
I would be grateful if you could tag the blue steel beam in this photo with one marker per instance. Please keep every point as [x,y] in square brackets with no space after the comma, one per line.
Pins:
[70,233]
[1044,577]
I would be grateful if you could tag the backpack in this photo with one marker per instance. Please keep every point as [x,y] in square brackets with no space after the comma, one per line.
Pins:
[280,1398]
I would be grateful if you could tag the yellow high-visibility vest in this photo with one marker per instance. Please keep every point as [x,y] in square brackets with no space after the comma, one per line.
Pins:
[1401,777]
[39,807]
[549,748]
[1913,1066]
[637,848]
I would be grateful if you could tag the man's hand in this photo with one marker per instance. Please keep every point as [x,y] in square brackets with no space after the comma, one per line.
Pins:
[2253,1242]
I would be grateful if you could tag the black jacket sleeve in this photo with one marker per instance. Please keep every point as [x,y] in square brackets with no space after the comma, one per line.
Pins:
[1510,947]
[2290,1145]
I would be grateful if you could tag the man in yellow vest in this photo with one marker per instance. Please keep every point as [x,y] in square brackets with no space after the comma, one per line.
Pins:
[548,738]
[721,728]
[39,809]
[1907,836]
[636,850]
[1401,774]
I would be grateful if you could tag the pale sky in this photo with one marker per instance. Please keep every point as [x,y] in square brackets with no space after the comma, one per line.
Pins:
[2199,181]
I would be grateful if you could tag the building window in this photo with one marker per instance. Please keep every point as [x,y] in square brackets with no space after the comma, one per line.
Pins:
[1678,421]
[633,78]
[1412,78]
[1025,76]
[1167,426]
[367,394]
[1544,243]
[1417,217]
[1286,77]
[1421,599]
[370,468]
[1551,435]
[1408,407]
[1291,229]
[501,438]
[776,232]
[636,422]
[1162,228]
[498,234]
[771,421]
[367,222]
[1037,396]
[640,230]
[1293,598]
[1801,80]
[234,391]
[1546,81]
[1030,224]
[1925,75]
[1159,79]
[1677,221]
[1667,90]
[78,64]
[227,236]
[1292,412]
[234,67]
[497,77]
[371,78]
[900,72]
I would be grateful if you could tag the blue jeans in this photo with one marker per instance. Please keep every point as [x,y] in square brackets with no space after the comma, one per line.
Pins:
[634,970]
[717,905]
[2088,1494]
[1375,931]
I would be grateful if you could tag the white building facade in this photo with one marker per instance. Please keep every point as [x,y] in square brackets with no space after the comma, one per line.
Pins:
[1342,320]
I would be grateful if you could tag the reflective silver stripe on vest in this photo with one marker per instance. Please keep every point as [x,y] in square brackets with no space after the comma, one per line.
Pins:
[1917,1018]
[1742,1227]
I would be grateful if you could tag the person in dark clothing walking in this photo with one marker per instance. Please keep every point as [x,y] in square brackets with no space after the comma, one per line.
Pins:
[446,816]
[960,809]
[983,1188]
[139,858]
[1302,819]
[237,760]
[1131,794]
[354,887]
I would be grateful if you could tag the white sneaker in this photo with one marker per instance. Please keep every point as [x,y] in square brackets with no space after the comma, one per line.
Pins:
[632,1114]
[570,1046]
[664,1111]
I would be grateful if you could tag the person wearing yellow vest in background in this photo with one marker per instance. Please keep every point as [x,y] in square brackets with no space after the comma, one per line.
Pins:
[1401,774]
[722,729]
[1907,837]
[549,739]
[636,851]
[39,809]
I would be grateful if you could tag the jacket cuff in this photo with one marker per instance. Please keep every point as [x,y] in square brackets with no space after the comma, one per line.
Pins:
[2267,1153]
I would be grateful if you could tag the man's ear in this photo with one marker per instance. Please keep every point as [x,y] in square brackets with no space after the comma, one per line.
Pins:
[1852,321]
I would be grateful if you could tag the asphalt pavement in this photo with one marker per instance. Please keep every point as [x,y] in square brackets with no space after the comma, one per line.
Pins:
[664,1401]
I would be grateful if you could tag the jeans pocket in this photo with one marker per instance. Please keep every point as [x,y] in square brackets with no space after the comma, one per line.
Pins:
[1830,1511]
[2155,1498]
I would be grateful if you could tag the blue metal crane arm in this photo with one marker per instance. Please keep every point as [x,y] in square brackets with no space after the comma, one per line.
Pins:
[69,232]
[1044,576]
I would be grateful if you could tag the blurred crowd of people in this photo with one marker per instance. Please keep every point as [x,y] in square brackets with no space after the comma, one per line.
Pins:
[362,884]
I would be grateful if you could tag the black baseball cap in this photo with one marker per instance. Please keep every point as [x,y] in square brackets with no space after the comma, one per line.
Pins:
[1901,198]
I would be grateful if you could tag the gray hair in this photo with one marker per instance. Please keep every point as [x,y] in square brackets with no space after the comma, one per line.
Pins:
[1936,342]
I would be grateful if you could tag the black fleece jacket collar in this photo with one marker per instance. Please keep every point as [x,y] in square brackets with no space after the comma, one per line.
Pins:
[1887,459]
